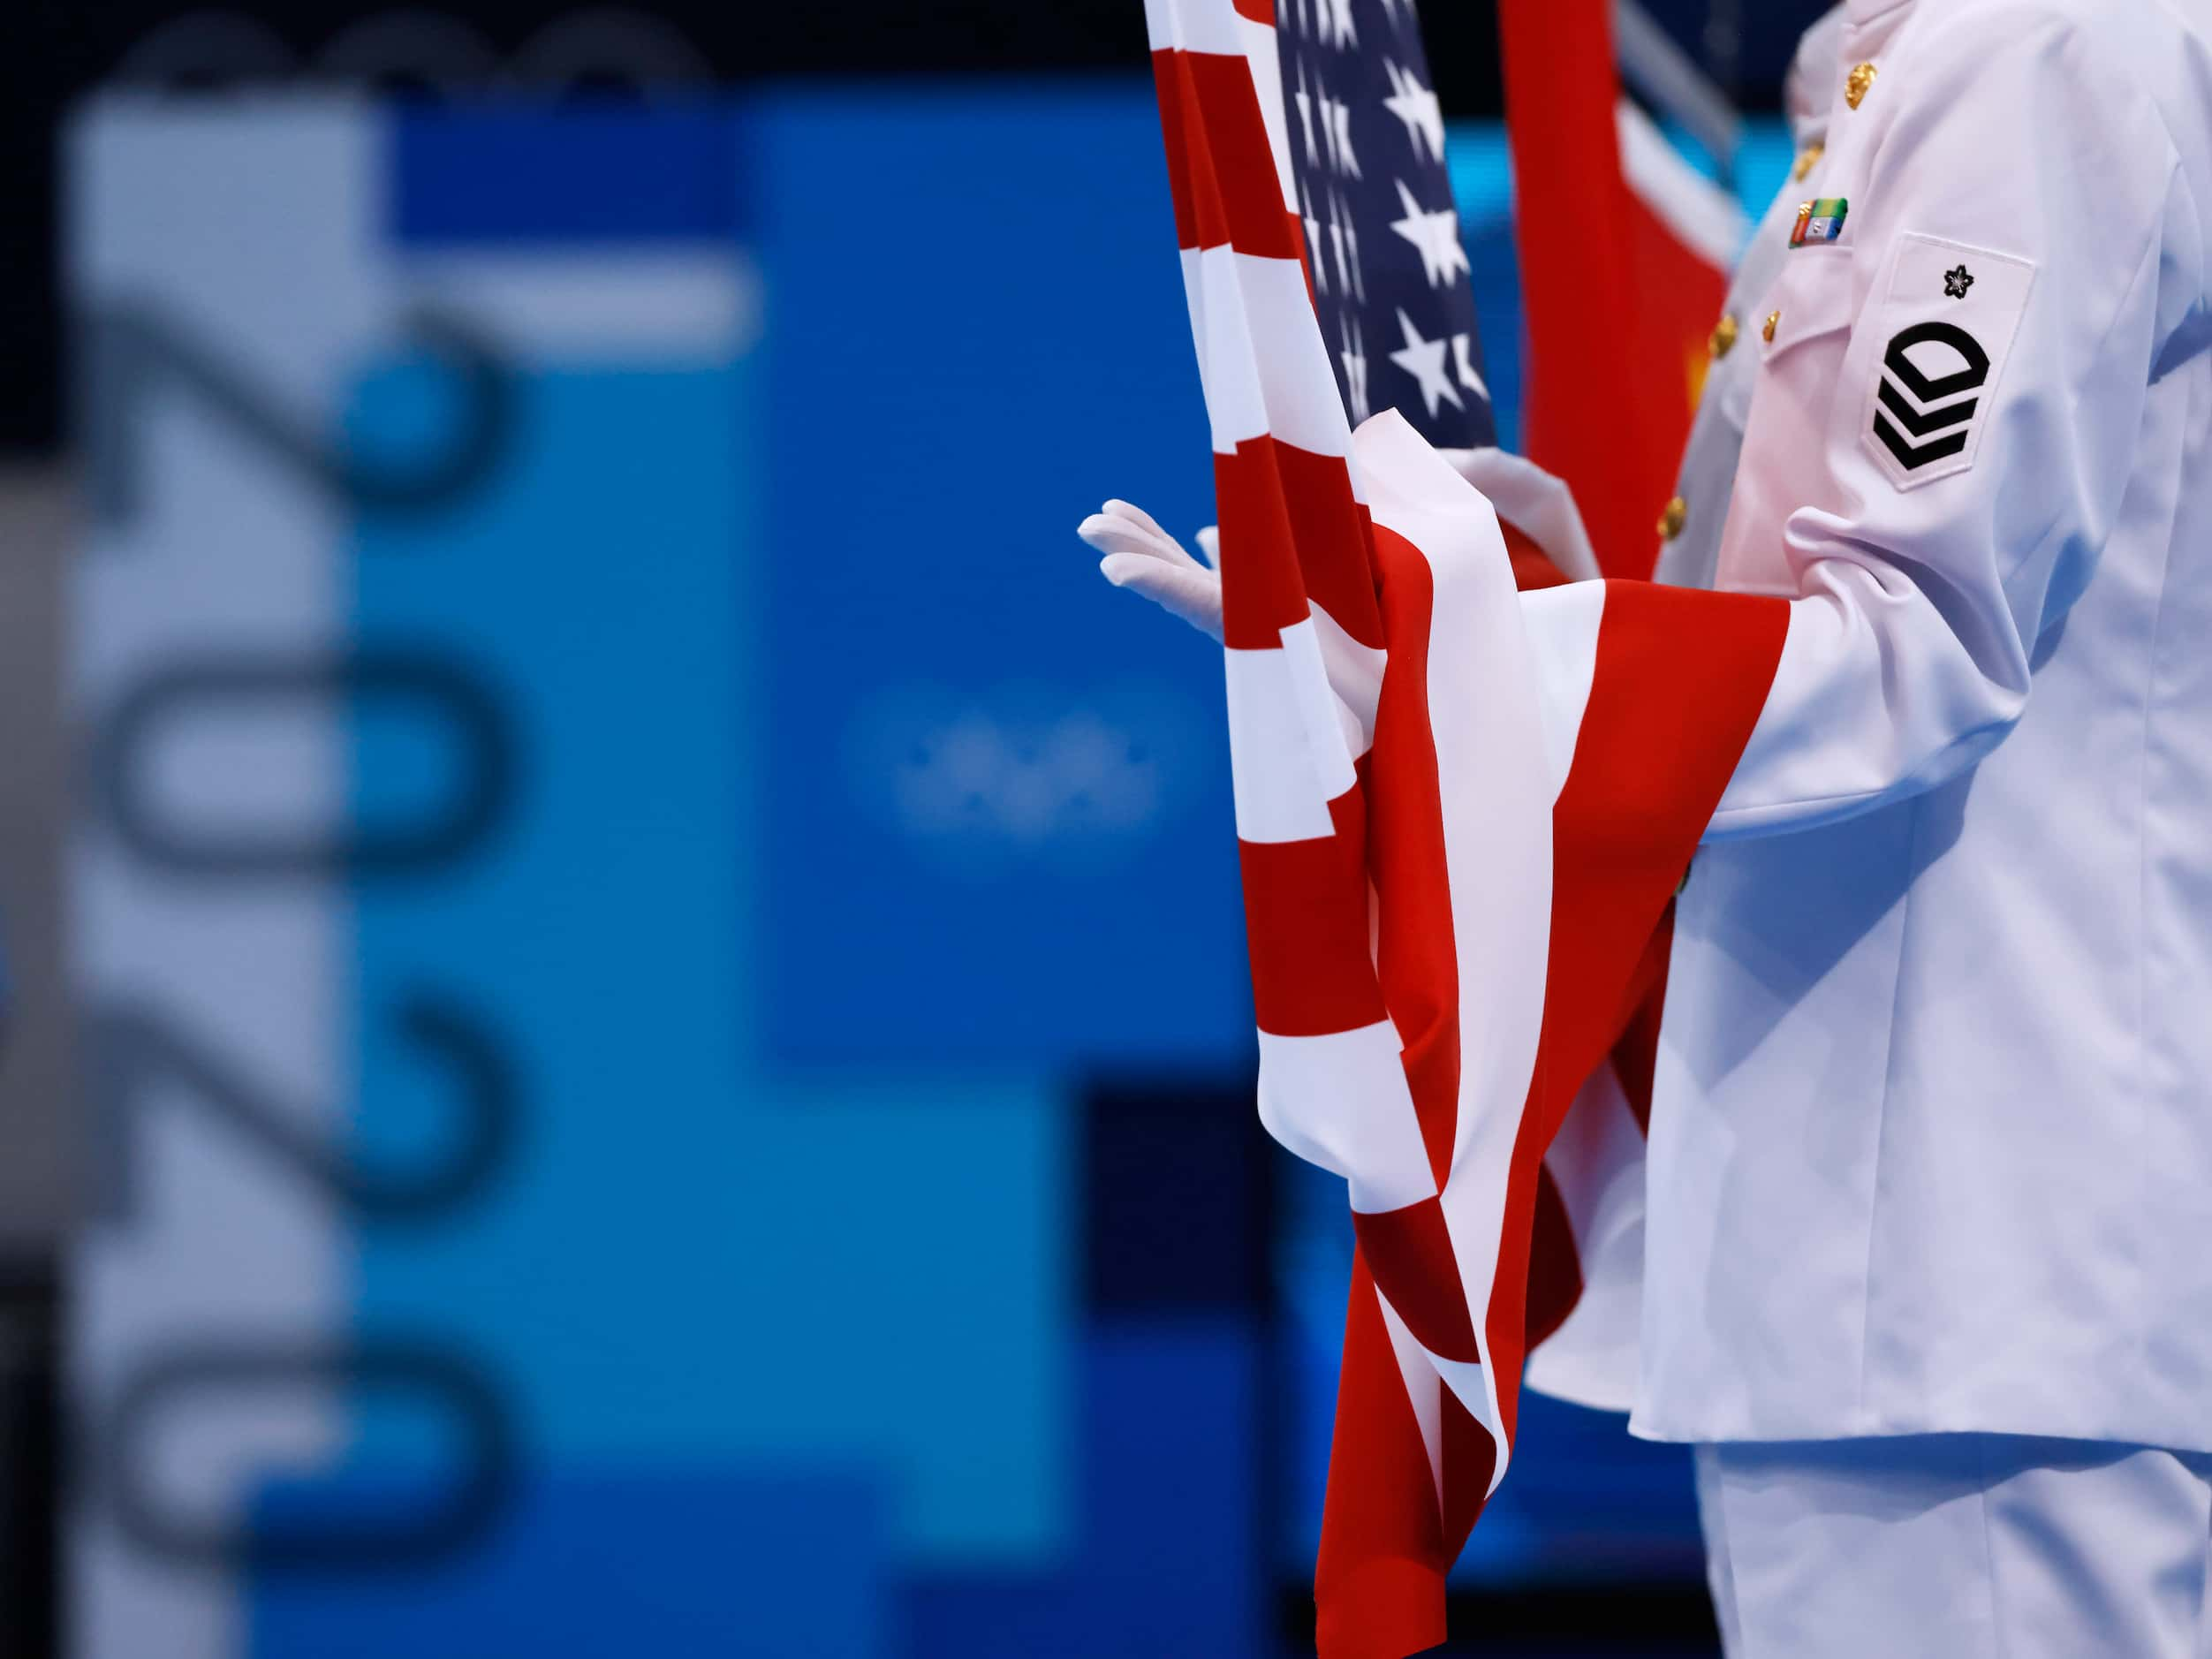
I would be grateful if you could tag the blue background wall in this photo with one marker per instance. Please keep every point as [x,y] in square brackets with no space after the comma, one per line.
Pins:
[887,1261]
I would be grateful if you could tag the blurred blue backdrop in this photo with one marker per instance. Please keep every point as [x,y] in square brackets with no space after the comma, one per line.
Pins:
[882,1259]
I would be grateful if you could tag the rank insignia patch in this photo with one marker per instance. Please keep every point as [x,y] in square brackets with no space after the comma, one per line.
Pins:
[1948,316]
[1819,221]
[1920,417]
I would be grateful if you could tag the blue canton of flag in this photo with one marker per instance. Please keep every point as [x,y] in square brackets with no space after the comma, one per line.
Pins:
[1389,275]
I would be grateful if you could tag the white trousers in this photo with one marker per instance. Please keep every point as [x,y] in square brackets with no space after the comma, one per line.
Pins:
[1957,1547]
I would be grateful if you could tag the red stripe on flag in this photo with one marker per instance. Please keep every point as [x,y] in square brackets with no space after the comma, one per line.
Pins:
[1385,1551]
[1531,566]
[1417,956]
[1174,128]
[1331,530]
[1245,182]
[1262,589]
[1409,1251]
[1209,216]
[1657,748]
[1380,1581]
[1470,1460]
[1555,1266]
[1306,921]
[1257,11]
[1636,1053]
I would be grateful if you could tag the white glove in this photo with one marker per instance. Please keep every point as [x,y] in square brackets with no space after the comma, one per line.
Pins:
[1146,560]
[1143,557]
[1539,506]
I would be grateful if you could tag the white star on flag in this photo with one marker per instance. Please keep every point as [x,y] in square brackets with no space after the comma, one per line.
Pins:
[1305,115]
[1424,360]
[1337,240]
[1462,364]
[1437,236]
[1336,131]
[1416,106]
[1341,114]
[1352,247]
[1355,361]
[1313,241]
[1341,65]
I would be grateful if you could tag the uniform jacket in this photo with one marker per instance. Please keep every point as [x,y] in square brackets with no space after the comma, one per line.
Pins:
[1931,1139]
[1716,433]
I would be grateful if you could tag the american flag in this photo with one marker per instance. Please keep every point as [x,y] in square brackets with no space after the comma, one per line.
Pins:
[1389,271]
[1461,814]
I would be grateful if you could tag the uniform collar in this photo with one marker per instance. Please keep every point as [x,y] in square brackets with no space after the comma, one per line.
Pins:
[1815,74]
[1870,27]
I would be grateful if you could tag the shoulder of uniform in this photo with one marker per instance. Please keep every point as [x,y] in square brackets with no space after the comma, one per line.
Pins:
[2077,64]
[2061,36]
[2091,15]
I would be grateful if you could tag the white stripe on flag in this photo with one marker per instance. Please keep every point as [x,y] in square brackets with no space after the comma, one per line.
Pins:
[1196,25]
[1304,406]
[1328,729]
[1476,1385]
[1355,672]
[1266,59]
[1340,1100]
[1193,264]
[1287,748]
[1424,1390]
[1493,767]
[1563,622]
[1265,370]
[1228,358]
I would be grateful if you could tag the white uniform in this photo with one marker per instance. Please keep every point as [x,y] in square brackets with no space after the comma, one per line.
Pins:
[1931,1146]
[1957,1547]
[1716,434]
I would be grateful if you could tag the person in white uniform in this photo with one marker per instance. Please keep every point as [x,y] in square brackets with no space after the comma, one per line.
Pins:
[1929,1213]
[1931,1161]
[1692,525]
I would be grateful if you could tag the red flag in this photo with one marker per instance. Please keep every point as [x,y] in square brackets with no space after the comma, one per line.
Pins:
[1620,286]
[1461,812]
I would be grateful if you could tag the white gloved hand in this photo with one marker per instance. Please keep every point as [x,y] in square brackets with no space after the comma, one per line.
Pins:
[1533,502]
[1140,556]
[1146,560]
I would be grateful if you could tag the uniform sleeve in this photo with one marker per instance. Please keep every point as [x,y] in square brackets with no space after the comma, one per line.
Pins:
[2002,309]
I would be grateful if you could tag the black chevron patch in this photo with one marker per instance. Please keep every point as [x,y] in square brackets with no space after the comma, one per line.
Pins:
[1906,392]
[1918,424]
[1913,458]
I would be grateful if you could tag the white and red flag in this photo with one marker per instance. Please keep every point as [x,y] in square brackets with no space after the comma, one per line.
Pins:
[1461,812]
[1625,257]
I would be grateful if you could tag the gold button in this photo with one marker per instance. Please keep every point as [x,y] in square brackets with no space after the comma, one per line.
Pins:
[1766,331]
[1722,338]
[1808,158]
[1671,520]
[1856,83]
